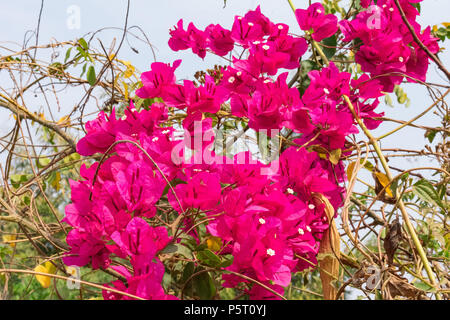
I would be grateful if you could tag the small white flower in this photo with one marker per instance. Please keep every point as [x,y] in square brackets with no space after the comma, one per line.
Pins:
[319,11]
[155,139]
[308,229]
[262,221]
[239,73]
[401,59]
[231,79]
[326,91]
[384,5]
[391,9]
[266,47]
[270,252]
[250,24]
[124,117]
[280,27]
[256,42]
[300,231]
[290,191]
[311,206]
[166,131]
[239,18]
[267,81]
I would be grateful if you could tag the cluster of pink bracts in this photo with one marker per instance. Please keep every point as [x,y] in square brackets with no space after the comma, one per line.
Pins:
[271,224]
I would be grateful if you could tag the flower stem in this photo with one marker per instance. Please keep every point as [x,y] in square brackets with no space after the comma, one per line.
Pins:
[292,5]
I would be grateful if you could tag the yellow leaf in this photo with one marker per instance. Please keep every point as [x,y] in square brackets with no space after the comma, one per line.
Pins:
[129,71]
[125,86]
[9,238]
[56,182]
[384,180]
[48,268]
[335,155]
[350,168]
[214,243]
[64,121]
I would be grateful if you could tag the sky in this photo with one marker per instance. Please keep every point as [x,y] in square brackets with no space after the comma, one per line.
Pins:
[157,17]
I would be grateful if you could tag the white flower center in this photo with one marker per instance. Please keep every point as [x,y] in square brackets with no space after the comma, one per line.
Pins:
[270,252]
[231,79]
[262,221]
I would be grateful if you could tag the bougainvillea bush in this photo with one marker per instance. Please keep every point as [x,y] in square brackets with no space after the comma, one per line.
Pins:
[174,213]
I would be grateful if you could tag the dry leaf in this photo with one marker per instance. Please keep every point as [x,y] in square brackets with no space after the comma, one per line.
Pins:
[330,251]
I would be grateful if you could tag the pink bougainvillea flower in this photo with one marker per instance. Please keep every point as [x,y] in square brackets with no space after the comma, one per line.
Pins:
[101,133]
[191,38]
[314,19]
[252,27]
[219,39]
[155,81]
[179,37]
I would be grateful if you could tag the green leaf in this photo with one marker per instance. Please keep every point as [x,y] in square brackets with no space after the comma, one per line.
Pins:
[430,135]
[83,43]
[67,54]
[204,286]
[17,179]
[178,248]
[188,271]
[91,78]
[208,258]
[416,5]
[228,261]
[426,192]
[423,286]
[83,70]
[43,162]
[329,42]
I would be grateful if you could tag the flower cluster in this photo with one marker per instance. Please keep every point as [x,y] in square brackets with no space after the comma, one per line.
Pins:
[272,224]
[386,48]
